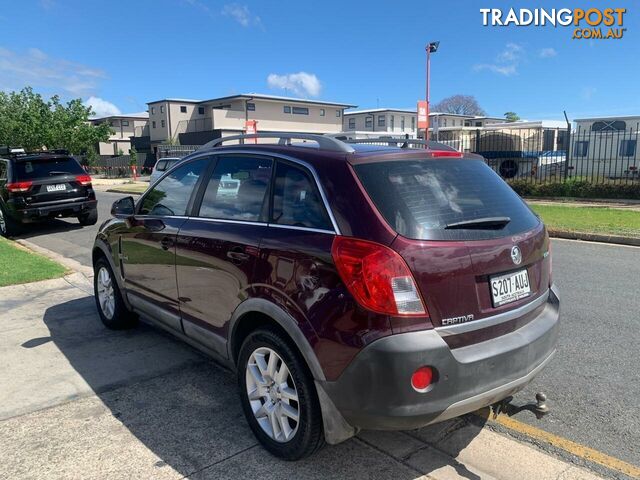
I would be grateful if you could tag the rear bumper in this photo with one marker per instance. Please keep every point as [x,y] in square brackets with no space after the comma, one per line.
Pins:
[26,214]
[375,391]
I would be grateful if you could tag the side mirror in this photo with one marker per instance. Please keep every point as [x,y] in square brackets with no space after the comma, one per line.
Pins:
[125,207]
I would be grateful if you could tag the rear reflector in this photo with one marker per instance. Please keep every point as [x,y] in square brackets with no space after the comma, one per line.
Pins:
[377,277]
[83,180]
[19,186]
[421,379]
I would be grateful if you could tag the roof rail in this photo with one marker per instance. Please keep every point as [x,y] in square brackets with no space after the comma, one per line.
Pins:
[324,143]
[403,142]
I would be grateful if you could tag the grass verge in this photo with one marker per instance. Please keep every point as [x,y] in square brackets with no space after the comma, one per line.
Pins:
[132,188]
[19,265]
[600,220]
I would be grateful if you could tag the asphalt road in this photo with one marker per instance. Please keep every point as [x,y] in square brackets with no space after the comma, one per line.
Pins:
[593,384]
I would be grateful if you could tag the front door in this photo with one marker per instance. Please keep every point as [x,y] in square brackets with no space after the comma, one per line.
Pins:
[217,247]
[147,246]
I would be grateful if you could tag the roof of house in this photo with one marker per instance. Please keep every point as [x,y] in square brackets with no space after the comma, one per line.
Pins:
[612,117]
[183,100]
[377,110]
[261,96]
[138,115]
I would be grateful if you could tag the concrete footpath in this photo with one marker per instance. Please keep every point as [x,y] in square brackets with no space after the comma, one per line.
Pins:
[80,401]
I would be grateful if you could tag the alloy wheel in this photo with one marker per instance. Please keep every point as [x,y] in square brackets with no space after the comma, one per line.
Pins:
[106,294]
[272,394]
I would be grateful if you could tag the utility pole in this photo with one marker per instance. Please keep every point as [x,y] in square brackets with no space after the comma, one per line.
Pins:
[432,47]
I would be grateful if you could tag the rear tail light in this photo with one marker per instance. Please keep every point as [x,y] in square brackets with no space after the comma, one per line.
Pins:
[421,379]
[446,153]
[377,277]
[83,180]
[19,186]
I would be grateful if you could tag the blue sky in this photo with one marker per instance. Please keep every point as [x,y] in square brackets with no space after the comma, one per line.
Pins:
[124,54]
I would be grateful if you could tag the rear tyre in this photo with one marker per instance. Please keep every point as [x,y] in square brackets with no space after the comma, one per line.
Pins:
[278,396]
[8,226]
[89,218]
[111,307]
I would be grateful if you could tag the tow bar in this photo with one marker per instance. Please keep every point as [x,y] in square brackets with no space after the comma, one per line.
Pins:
[539,409]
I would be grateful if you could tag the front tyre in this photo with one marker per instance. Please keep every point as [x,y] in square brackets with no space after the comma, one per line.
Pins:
[89,218]
[8,226]
[111,307]
[278,396]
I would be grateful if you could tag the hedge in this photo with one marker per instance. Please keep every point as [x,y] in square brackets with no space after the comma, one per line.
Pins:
[577,189]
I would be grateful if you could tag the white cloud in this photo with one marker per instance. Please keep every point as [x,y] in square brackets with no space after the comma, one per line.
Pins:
[547,53]
[506,62]
[101,107]
[241,14]
[55,75]
[301,83]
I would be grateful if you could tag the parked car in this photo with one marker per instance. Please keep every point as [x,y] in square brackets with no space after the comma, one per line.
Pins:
[38,186]
[349,286]
[162,166]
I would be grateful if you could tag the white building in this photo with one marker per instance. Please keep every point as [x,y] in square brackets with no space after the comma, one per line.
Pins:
[384,120]
[123,127]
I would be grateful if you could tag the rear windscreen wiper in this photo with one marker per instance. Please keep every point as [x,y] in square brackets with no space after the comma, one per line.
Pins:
[58,172]
[480,223]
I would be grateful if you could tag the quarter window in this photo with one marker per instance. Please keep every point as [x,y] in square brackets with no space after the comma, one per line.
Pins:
[296,200]
[237,189]
[628,148]
[3,170]
[171,196]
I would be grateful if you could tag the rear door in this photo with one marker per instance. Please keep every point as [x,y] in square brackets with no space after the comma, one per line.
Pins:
[53,179]
[460,228]
[217,247]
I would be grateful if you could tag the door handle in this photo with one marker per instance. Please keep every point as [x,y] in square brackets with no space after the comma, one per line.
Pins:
[238,256]
[166,243]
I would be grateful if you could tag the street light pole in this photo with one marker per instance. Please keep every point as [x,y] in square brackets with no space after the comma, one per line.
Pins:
[432,47]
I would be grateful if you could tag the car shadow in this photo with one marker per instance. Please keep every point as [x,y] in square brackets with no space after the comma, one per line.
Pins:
[184,408]
[46,227]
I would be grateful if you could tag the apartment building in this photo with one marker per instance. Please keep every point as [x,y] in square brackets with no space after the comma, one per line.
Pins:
[123,127]
[439,120]
[393,121]
[195,122]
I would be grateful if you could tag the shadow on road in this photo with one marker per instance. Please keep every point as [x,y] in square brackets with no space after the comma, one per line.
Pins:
[47,227]
[186,410]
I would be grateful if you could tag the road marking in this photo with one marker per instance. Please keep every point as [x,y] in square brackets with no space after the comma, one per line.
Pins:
[569,446]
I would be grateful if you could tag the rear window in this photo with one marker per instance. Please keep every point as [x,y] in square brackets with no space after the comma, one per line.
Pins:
[34,169]
[421,198]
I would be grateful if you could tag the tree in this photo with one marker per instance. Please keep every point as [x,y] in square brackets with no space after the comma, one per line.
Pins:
[133,157]
[27,120]
[459,104]
[511,116]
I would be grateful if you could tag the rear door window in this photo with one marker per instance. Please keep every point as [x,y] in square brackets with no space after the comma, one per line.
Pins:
[423,199]
[296,200]
[44,168]
[237,189]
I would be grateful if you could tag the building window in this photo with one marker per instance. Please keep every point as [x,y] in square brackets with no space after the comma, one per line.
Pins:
[478,124]
[628,148]
[161,108]
[609,126]
[287,109]
[368,122]
[581,148]
[352,124]
[153,124]
[125,123]
[322,112]
[337,113]
[300,111]
[393,122]
[251,107]
[183,109]
[402,123]
[413,123]
[153,110]
[445,123]
[200,110]
[162,123]
[381,120]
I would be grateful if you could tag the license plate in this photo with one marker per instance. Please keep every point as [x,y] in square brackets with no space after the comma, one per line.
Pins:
[56,188]
[510,287]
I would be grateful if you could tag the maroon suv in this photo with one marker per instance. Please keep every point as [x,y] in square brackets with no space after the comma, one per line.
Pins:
[350,286]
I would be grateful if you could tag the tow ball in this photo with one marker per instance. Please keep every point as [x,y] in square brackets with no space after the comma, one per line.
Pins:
[539,408]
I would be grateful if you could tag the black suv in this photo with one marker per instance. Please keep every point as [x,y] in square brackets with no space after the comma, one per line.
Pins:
[37,186]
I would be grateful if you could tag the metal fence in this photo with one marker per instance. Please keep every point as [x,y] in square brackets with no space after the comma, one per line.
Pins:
[118,167]
[547,155]
[176,150]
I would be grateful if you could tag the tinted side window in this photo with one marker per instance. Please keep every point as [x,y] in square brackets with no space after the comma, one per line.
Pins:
[161,166]
[3,170]
[296,200]
[237,189]
[171,196]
